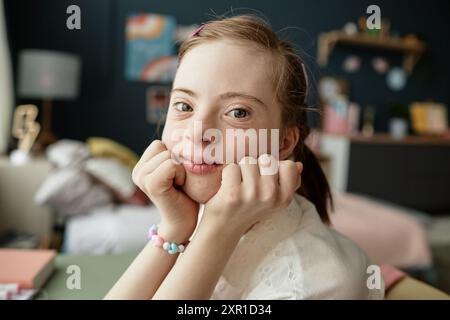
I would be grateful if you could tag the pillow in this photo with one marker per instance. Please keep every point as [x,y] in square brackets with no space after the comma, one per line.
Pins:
[106,148]
[116,176]
[71,192]
[67,153]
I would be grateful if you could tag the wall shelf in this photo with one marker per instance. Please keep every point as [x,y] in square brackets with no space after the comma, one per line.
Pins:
[411,47]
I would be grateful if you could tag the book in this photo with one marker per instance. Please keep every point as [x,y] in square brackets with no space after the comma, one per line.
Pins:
[29,268]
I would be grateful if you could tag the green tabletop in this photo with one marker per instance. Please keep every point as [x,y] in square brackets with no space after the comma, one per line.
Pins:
[97,275]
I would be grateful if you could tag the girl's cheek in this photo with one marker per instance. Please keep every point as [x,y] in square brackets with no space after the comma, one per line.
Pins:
[173,140]
[171,134]
[164,136]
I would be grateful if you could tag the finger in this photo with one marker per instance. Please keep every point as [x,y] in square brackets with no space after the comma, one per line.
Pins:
[231,175]
[268,165]
[288,179]
[153,149]
[154,162]
[249,171]
[167,174]
[268,169]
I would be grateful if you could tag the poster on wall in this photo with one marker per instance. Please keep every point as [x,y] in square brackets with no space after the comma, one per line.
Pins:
[149,51]
[157,100]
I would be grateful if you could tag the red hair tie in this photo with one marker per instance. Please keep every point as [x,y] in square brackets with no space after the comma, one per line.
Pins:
[198,30]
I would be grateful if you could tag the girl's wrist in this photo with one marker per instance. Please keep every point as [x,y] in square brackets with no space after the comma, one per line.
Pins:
[222,229]
[173,233]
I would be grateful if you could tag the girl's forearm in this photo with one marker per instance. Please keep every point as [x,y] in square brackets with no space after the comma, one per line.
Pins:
[143,277]
[148,270]
[196,273]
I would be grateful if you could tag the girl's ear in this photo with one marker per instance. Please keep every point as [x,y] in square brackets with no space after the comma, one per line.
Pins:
[288,142]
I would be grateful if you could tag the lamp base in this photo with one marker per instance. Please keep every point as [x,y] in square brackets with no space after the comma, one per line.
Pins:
[45,139]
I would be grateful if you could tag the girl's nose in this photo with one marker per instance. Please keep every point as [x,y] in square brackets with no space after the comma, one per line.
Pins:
[197,126]
[195,140]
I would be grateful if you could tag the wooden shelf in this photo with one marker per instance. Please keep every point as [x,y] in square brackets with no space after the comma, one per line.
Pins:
[412,48]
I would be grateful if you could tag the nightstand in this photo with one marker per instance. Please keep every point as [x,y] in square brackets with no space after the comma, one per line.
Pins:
[18,185]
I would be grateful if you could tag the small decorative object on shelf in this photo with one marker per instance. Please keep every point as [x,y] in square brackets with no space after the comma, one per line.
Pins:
[25,129]
[380,65]
[396,79]
[382,32]
[429,118]
[340,115]
[350,28]
[398,128]
[351,64]
[368,121]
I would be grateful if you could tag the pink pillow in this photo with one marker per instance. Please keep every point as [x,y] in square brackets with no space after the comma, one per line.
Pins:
[388,235]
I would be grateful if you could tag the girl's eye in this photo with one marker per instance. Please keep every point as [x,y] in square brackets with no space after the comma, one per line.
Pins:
[238,113]
[183,107]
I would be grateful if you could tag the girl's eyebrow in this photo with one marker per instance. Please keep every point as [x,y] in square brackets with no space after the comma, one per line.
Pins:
[230,95]
[187,91]
[227,95]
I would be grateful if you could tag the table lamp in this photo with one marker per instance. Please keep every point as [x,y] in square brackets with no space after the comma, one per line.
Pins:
[48,75]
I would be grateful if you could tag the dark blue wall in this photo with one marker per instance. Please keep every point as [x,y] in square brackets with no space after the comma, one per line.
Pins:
[113,107]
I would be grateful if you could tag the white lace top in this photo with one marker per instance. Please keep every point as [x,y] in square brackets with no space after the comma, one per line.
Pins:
[295,256]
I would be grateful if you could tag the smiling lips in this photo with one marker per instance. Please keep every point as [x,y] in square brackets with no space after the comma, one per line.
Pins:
[199,168]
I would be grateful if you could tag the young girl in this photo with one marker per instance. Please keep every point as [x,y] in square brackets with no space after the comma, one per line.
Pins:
[255,235]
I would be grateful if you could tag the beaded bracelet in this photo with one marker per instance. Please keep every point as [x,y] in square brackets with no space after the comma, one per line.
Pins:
[158,241]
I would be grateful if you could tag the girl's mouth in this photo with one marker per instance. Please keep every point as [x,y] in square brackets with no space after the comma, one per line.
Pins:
[200,168]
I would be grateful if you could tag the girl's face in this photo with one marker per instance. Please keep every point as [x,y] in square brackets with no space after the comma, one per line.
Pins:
[220,85]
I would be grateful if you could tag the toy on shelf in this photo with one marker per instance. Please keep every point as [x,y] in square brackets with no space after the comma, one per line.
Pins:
[25,129]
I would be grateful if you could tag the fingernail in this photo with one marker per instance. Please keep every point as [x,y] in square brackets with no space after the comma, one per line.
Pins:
[264,160]
[248,160]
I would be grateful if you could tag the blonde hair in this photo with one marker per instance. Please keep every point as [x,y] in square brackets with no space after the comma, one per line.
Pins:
[290,84]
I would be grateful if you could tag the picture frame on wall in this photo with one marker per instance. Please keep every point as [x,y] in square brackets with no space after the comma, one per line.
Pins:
[157,103]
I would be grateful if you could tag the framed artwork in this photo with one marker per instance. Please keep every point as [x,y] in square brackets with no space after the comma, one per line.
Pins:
[158,98]
[150,40]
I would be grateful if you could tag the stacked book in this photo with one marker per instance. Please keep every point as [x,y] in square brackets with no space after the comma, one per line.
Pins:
[24,272]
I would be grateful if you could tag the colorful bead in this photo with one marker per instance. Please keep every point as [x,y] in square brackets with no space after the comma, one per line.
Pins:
[171,248]
[158,241]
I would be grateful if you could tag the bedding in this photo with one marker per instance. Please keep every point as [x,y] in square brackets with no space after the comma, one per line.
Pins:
[110,229]
[67,153]
[388,234]
[70,191]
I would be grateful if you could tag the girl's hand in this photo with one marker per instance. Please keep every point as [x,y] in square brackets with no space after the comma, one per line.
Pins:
[157,175]
[247,196]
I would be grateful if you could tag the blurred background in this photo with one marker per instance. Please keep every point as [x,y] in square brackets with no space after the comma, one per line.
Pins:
[84,87]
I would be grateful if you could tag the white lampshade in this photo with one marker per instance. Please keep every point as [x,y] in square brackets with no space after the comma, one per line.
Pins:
[47,74]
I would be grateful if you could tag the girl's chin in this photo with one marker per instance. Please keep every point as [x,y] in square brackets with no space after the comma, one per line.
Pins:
[201,188]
